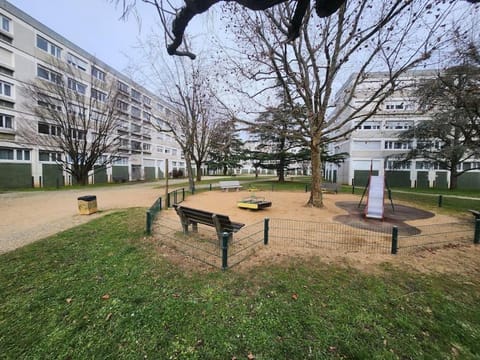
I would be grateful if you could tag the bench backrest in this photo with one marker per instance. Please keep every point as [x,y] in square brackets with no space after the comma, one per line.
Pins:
[232,183]
[206,218]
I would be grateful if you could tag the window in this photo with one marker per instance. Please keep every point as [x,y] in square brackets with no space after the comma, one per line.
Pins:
[136,128]
[398,165]
[23,155]
[369,125]
[6,121]
[146,147]
[77,86]
[6,88]
[174,152]
[394,106]
[5,23]
[49,129]
[147,100]
[136,145]
[397,145]
[47,74]
[6,154]
[14,154]
[122,86]
[146,116]
[136,95]
[122,106]
[77,134]
[136,112]
[99,95]
[77,62]
[49,47]
[49,156]
[398,125]
[121,161]
[76,109]
[98,74]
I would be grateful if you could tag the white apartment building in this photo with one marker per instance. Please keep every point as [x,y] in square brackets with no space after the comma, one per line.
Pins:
[375,144]
[27,48]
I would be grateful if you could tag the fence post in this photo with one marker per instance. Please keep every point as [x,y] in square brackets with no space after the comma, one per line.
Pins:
[168,200]
[175,197]
[160,203]
[440,200]
[183,194]
[353,186]
[149,222]
[210,186]
[225,237]
[476,238]
[266,227]
[306,187]
[394,240]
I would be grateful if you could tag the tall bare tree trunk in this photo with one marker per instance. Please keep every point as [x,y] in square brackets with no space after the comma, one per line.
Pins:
[199,171]
[316,198]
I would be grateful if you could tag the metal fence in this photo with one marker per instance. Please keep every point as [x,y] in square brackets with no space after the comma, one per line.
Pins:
[177,196]
[330,236]
[438,235]
[285,233]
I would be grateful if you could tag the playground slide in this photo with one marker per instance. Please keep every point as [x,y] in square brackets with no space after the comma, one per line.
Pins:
[375,199]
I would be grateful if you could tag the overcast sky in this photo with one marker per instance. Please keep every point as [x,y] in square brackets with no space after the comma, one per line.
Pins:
[94,25]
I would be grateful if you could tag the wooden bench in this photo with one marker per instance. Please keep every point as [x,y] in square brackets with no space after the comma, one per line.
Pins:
[222,223]
[329,187]
[233,184]
[475,213]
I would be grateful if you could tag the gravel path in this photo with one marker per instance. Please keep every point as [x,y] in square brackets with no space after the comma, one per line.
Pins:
[29,216]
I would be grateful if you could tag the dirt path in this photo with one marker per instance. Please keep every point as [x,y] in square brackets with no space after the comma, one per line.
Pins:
[29,216]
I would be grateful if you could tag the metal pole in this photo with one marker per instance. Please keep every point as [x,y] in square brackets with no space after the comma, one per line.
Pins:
[394,240]
[266,227]
[476,239]
[225,237]
[167,197]
[440,200]
[149,222]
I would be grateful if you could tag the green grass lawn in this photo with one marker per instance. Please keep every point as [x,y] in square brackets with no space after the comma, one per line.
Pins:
[102,291]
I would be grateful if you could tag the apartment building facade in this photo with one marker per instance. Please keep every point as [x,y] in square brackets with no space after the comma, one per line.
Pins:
[375,145]
[27,51]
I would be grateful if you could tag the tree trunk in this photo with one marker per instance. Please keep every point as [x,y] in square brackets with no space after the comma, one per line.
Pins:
[281,169]
[316,198]
[199,171]
[453,179]
[188,163]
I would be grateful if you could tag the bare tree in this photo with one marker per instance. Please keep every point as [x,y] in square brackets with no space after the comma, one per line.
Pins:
[361,37]
[77,117]
[185,86]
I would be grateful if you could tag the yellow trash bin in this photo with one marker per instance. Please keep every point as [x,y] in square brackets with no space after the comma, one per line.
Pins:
[87,204]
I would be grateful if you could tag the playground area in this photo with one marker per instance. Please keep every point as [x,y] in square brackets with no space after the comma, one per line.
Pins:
[339,230]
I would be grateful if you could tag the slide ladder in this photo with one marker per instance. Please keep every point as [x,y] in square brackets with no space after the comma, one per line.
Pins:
[375,200]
